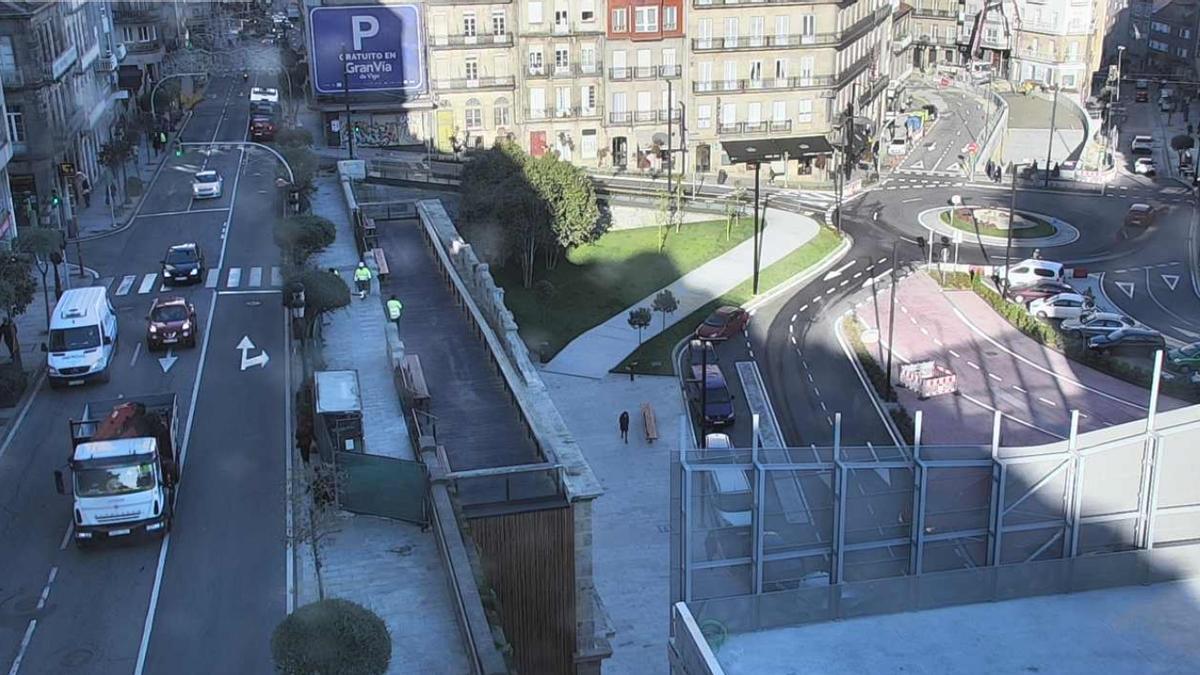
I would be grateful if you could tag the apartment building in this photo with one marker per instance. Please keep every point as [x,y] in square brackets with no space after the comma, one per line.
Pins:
[903,46]
[645,80]
[561,78]
[784,69]
[472,71]
[935,30]
[140,27]
[1172,40]
[59,99]
[8,219]
[987,33]
[1055,43]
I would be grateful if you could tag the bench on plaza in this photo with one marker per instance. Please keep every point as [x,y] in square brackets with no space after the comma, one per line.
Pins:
[650,422]
[381,264]
[414,382]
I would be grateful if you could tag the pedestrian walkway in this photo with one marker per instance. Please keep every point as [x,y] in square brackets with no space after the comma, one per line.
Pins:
[232,278]
[600,349]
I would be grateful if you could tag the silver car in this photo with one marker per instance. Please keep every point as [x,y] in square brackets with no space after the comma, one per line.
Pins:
[1090,324]
[207,185]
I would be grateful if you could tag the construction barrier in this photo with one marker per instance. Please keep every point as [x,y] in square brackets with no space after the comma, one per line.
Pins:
[928,379]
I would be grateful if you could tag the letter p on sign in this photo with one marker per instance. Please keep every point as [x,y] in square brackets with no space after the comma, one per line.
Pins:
[363,26]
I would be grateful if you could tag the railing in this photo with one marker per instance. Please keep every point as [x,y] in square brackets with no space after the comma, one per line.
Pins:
[574,112]
[927,12]
[483,40]
[760,127]
[857,67]
[572,70]
[776,83]
[145,47]
[709,4]
[562,28]
[644,116]
[63,62]
[645,73]
[764,42]
[503,81]
[669,115]
[622,73]
[670,72]
[127,14]
[620,117]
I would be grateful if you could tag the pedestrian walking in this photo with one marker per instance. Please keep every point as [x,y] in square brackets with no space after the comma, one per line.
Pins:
[394,309]
[623,423]
[991,167]
[85,188]
[362,279]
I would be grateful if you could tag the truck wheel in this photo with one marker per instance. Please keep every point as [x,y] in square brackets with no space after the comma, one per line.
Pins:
[106,374]
[55,383]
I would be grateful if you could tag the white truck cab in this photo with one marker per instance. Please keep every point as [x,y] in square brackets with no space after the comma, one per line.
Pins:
[83,337]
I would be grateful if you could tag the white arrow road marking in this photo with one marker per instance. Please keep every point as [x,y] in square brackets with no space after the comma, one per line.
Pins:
[1126,287]
[1171,280]
[838,272]
[246,345]
[167,361]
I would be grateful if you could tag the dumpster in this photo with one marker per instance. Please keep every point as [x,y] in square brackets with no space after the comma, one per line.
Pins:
[927,379]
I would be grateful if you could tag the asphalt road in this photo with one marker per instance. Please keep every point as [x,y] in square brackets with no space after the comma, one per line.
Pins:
[206,601]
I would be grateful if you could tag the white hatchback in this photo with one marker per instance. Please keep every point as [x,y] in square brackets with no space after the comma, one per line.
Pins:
[1061,306]
[207,185]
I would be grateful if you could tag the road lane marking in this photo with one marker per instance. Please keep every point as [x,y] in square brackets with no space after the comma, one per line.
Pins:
[181,213]
[126,284]
[137,349]
[211,279]
[1018,420]
[973,365]
[995,377]
[276,276]
[46,589]
[938,342]
[824,408]
[953,353]
[816,390]
[1047,401]
[235,277]
[62,545]
[793,317]
[803,308]
[255,277]
[1020,389]
[253,291]
[909,201]
[147,284]
[16,665]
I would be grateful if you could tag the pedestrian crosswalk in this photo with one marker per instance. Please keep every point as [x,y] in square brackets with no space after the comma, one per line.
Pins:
[232,278]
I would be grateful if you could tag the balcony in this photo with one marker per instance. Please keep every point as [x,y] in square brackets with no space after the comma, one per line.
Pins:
[620,117]
[931,13]
[771,84]
[63,62]
[758,128]
[124,12]
[559,28]
[459,83]
[565,71]
[746,42]
[900,44]
[623,73]
[645,116]
[89,57]
[669,115]
[107,63]
[670,72]
[563,113]
[146,47]
[714,4]
[471,41]
[857,67]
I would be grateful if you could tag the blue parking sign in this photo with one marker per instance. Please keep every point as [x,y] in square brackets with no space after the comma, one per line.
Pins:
[367,48]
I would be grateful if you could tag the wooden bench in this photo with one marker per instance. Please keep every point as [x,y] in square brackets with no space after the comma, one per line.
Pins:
[650,422]
[380,263]
[414,382]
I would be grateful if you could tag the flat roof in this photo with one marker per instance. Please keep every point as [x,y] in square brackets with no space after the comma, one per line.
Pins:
[1133,629]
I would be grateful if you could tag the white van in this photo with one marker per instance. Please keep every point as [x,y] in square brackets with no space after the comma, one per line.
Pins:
[83,337]
[1031,271]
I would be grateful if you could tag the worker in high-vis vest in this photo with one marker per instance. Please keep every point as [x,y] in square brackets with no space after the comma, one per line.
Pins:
[362,278]
[394,309]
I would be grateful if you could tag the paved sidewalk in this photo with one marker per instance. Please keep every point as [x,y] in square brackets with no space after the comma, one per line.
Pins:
[600,349]
[998,368]
[631,522]
[101,217]
[391,567]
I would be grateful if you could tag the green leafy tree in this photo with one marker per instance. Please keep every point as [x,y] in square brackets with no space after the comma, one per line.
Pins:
[324,292]
[640,319]
[570,197]
[1182,142]
[17,287]
[298,137]
[735,208]
[42,245]
[115,154]
[662,219]
[331,636]
[298,237]
[665,303]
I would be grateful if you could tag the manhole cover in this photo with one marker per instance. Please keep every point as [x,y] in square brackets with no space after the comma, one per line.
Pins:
[253,303]
[78,657]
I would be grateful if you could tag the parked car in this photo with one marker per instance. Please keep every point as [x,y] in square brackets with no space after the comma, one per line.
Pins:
[207,185]
[1132,338]
[723,323]
[171,321]
[1032,271]
[1061,306]
[1185,359]
[717,401]
[1142,145]
[1144,166]
[262,128]
[264,94]
[1139,215]
[1141,96]
[1090,324]
[1046,289]
[698,357]
[264,108]
[183,263]
[897,147]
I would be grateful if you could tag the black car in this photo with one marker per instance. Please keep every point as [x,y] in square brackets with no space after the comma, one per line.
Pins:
[1128,339]
[708,386]
[1042,289]
[183,263]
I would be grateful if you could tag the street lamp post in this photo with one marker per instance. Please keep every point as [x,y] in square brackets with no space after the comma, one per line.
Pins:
[1012,219]
[891,320]
[757,229]
[346,94]
[1050,144]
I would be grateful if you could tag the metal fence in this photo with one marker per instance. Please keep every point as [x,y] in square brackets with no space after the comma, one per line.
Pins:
[760,521]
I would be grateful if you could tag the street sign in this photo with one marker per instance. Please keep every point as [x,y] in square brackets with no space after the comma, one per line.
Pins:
[972,148]
[367,49]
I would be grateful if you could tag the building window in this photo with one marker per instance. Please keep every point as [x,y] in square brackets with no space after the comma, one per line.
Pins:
[1159,27]
[1185,33]
[500,114]
[535,11]
[781,69]
[499,23]
[469,24]
[1068,80]
[474,114]
[645,19]
[139,33]
[8,60]
[588,144]
[671,18]
[561,22]
[587,10]
[704,116]
[16,124]
[587,97]
[471,68]
[756,72]
[562,61]
[535,62]
[619,24]
[1158,46]
[804,109]
[1073,51]
[1181,52]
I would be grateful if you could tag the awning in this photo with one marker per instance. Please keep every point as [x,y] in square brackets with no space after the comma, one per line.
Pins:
[775,149]
[129,77]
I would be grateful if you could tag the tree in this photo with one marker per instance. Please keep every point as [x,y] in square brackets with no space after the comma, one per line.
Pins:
[666,303]
[640,319]
[734,209]
[570,197]
[45,246]
[662,218]
[115,154]
[298,237]
[298,137]
[16,287]
[1182,142]
[331,636]
[324,292]
[303,162]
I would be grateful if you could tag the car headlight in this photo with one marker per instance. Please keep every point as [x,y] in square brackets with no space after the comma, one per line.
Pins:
[53,370]
[153,329]
[194,272]
[169,269]
[187,325]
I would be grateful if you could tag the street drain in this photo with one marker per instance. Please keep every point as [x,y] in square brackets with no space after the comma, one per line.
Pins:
[253,303]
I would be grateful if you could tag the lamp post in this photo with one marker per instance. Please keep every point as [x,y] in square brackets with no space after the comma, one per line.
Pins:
[346,94]
[1120,52]
[1050,144]
[1012,218]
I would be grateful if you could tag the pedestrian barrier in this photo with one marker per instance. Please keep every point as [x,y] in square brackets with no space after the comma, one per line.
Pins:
[414,383]
[650,421]
[381,265]
[926,379]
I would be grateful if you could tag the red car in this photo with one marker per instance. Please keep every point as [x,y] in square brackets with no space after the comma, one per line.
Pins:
[1141,96]
[723,324]
[171,321]
[262,128]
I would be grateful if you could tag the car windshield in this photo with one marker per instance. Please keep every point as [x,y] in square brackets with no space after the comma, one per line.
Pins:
[80,337]
[178,256]
[117,480]
[717,320]
[718,395]
[206,177]
[170,313]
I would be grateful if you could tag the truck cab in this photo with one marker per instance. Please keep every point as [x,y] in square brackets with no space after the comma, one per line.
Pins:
[122,468]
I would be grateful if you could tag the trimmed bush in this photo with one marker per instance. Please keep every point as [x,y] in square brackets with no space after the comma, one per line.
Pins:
[331,636]
[297,137]
[13,381]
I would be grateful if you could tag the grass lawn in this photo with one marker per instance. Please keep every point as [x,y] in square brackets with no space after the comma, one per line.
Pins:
[654,357]
[1042,229]
[603,278]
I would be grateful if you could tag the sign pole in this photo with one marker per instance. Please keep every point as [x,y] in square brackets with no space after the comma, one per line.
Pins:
[346,94]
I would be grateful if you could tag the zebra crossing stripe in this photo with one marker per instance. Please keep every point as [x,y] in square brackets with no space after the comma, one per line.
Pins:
[255,277]
[235,277]
[276,276]
[147,284]
[126,284]
[211,279]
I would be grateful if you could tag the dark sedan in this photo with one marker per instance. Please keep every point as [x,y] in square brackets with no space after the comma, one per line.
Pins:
[723,324]
[1128,339]
[1042,289]
[171,321]
[183,263]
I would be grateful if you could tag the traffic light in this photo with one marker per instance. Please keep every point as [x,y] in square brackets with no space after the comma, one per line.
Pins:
[55,200]
[178,149]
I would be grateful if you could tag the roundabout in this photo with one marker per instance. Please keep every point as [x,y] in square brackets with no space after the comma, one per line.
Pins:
[991,226]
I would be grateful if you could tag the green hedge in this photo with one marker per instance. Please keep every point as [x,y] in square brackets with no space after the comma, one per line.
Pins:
[13,381]
[879,380]
[331,636]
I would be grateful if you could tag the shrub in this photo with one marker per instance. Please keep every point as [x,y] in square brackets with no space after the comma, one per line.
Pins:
[331,636]
[298,237]
[298,137]
[13,381]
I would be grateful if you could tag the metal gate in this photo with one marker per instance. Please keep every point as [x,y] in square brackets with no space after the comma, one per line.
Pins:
[382,486]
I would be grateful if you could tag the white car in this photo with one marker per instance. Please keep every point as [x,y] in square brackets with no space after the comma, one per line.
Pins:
[1144,166]
[264,94]
[207,185]
[1142,144]
[1090,324]
[1033,271]
[1061,306]
[897,147]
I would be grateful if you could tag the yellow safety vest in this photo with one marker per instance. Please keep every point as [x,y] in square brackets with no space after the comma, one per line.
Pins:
[362,274]
[394,307]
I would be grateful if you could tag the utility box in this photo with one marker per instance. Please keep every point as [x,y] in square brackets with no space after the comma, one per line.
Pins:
[338,408]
